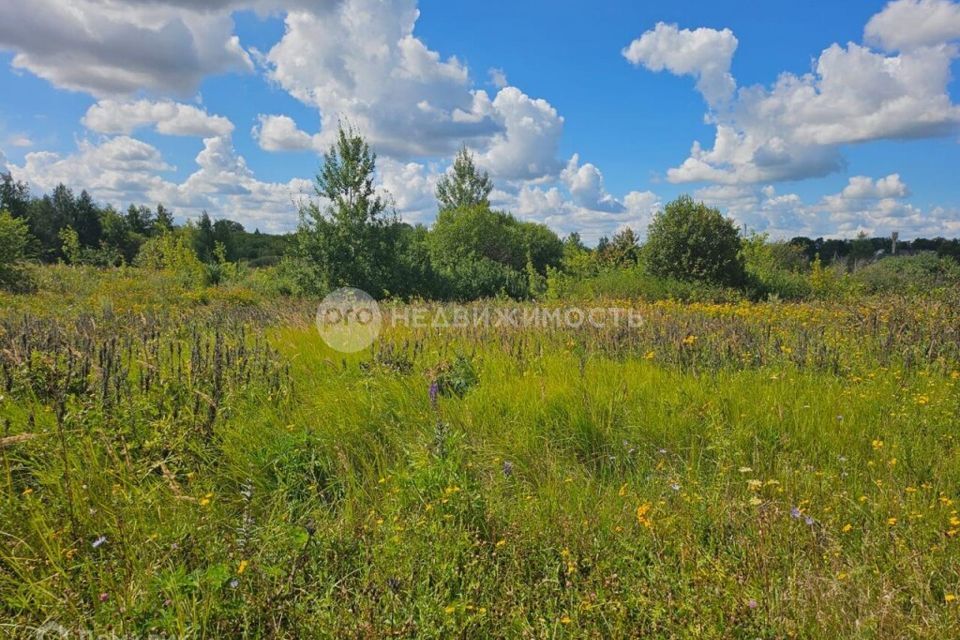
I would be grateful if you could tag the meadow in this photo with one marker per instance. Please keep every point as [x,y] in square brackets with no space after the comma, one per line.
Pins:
[184,463]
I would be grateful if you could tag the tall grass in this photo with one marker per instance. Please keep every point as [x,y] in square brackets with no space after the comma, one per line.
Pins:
[723,470]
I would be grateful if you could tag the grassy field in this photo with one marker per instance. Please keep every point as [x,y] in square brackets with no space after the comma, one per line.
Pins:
[210,468]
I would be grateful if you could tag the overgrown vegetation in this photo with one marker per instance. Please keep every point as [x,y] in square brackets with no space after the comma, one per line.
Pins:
[211,468]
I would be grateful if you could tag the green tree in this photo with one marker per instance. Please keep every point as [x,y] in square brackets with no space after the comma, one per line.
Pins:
[861,249]
[467,186]
[45,221]
[482,253]
[173,252]
[351,240]
[140,220]
[71,248]
[228,233]
[117,234]
[86,220]
[474,233]
[163,222]
[14,245]
[690,241]
[14,196]
[623,250]
[543,248]
[204,240]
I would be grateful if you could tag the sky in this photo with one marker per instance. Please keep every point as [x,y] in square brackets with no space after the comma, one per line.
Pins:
[807,118]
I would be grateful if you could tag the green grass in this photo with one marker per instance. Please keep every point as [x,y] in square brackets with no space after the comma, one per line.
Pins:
[585,485]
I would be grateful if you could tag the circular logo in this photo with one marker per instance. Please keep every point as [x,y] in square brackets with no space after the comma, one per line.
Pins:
[349,319]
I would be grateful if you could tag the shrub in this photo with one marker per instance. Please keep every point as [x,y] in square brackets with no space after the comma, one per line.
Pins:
[14,245]
[774,269]
[634,284]
[691,241]
[908,274]
[173,252]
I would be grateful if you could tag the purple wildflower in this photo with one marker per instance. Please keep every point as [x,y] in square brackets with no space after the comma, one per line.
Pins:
[433,392]
[104,596]
[752,603]
[795,513]
[507,468]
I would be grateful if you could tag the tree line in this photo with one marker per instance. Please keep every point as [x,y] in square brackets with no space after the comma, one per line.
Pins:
[352,236]
[64,226]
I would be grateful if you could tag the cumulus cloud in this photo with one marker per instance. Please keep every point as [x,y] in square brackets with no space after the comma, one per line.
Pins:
[359,62]
[909,24]
[118,167]
[703,53]
[166,117]
[861,187]
[410,187]
[795,128]
[121,170]
[571,213]
[585,183]
[108,47]
[526,146]
[281,133]
[874,206]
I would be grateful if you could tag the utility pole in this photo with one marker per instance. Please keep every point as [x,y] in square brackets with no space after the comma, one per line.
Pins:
[893,243]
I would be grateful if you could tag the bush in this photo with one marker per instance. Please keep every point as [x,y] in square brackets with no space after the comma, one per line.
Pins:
[922,273]
[691,241]
[173,252]
[634,284]
[775,269]
[14,244]
[476,278]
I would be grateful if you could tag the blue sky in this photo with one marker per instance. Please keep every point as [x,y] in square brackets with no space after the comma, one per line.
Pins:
[813,118]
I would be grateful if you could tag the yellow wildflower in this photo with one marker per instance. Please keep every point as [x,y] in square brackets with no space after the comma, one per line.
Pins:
[642,517]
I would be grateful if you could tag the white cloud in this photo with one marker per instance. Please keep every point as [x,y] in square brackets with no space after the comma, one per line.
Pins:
[120,166]
[121,170]
[411,188]
[498,77]
[107,47]
[564,215]
[909,24]
[862,187]
[874,206]
[280,133]
[702,53]
[526,147]
[795,128]
[361,63]
[585,183]
[167,117]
